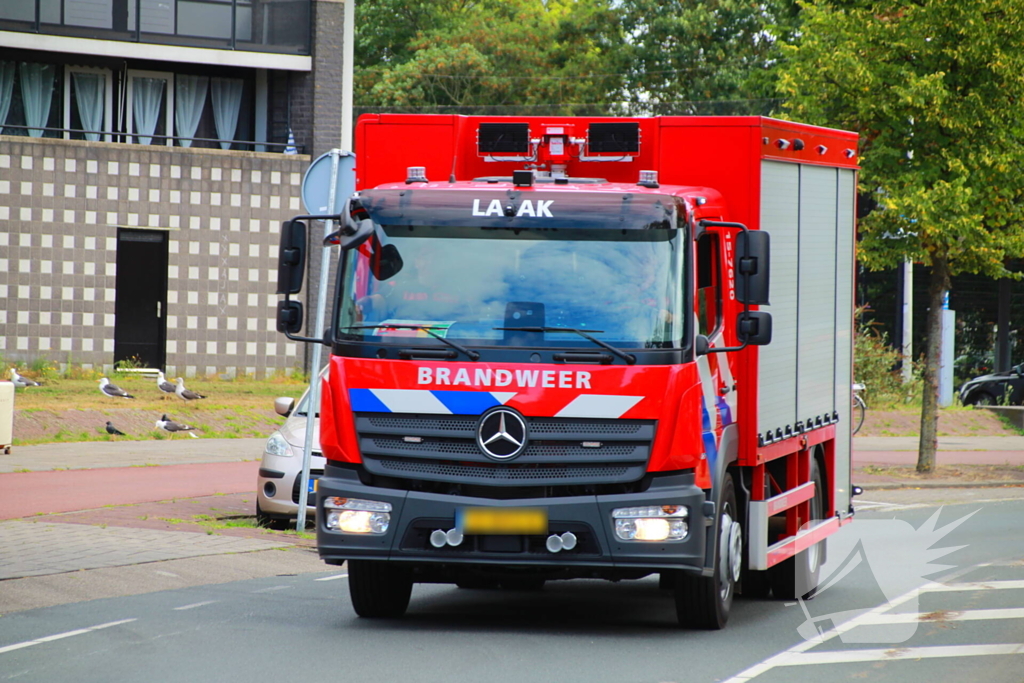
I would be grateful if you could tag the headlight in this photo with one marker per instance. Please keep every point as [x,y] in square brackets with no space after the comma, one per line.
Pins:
[651,523]
[355,516]
[276,445]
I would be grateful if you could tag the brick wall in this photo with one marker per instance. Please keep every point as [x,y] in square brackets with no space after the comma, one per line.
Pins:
[61,204]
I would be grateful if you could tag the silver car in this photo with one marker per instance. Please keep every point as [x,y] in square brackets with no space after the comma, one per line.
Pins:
[277,486]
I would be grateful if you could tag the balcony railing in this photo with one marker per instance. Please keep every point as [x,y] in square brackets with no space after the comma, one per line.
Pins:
[154,138]
[279,26]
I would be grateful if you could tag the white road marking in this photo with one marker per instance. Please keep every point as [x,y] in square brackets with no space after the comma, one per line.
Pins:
[195,604]
[68,634]
[866,505]
[893,653]
[972,586]
[271,588]
[871,616]
[332,578]
[949,615]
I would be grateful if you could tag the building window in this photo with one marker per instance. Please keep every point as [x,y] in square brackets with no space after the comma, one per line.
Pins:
[150,106]
[88,103]
[27,94]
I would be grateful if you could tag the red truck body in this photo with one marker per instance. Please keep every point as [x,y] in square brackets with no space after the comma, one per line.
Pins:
[749,447]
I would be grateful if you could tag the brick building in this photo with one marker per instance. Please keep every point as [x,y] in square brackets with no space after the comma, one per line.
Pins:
[149,150]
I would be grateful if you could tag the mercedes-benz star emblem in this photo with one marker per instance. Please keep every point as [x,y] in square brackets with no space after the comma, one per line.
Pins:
[501,433]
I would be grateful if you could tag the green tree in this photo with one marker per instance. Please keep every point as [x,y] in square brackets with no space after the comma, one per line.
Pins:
[686,53]
[935,87]
[486,53]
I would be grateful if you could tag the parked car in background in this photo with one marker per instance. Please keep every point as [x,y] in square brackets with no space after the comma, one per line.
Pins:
[999,388]
[277,485]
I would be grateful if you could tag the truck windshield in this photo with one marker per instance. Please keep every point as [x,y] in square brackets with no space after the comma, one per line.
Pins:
[624,287]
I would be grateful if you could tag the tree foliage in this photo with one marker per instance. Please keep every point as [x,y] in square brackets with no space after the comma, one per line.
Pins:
[622,56]
[935,87]
[693,51]
[490,52]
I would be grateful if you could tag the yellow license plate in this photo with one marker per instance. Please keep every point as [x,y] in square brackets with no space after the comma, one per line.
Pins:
[483,520]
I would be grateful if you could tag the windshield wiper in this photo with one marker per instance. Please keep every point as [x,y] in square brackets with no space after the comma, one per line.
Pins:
[628,357]
[473,355]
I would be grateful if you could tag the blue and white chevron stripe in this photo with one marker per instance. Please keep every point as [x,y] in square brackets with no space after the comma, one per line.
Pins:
[424,401]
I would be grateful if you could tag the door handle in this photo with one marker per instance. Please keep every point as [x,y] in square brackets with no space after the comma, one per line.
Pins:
[158,308]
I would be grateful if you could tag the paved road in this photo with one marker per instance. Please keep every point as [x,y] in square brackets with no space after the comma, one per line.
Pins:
[966,627]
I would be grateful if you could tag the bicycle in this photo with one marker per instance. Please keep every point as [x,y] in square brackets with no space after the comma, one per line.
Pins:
[859,407]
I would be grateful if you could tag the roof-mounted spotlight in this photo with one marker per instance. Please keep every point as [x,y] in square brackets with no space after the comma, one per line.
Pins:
[798,144]
[648,179]
[782,143]
[415,174]
[522,178]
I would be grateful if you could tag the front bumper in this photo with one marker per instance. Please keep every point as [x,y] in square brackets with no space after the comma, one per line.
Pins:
[282,474]
[415,515]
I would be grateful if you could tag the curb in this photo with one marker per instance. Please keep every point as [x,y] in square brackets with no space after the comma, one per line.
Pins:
[893,485]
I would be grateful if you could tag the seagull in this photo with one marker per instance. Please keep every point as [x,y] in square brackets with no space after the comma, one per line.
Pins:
[163,385]
[108,389]
[111,429]
[184,394]
[22,382]
[172,427]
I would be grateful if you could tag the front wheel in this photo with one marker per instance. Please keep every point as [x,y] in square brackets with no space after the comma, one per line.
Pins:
[379,589]
[982,398]
[705,601]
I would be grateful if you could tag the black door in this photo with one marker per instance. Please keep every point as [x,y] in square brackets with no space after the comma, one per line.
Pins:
[140,329]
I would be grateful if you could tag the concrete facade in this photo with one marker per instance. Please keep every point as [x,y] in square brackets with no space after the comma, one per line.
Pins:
[61,205]
[68,205]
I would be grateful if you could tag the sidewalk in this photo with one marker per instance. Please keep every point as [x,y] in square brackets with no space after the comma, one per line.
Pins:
[131,502]
[94,454]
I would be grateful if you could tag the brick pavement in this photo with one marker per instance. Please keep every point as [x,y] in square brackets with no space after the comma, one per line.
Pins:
[53,544]
[30,548]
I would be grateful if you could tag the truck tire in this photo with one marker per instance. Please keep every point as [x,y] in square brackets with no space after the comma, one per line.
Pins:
[797,577]
[704,601]
[379,589]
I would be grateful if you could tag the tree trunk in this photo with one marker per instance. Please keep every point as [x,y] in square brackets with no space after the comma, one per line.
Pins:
[938,284]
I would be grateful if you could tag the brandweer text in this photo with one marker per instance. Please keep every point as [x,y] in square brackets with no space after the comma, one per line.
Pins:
[485,377]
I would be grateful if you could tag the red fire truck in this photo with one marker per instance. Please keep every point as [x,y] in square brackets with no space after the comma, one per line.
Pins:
[555,355]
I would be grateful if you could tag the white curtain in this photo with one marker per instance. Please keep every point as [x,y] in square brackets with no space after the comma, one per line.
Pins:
[147,98]
[36,94]
[226,95]
[89,92]
[6,91]
[189,98]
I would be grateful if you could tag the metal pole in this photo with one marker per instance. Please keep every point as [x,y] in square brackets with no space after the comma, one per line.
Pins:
[347,56]
[908,322]
[1003,355]
[319,314]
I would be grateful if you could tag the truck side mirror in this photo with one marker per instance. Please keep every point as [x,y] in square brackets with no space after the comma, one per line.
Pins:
[289,316]
[386,262]
[752,261]
[754,327]
[355,227]
[701,345]
[291,259]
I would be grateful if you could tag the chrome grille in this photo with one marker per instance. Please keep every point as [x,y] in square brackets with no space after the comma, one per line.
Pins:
[443,448]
